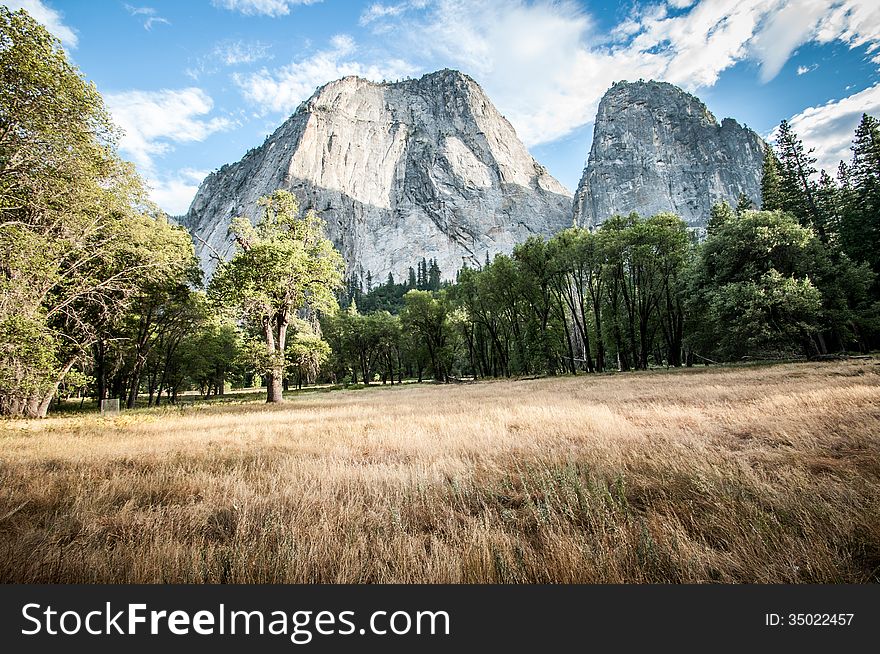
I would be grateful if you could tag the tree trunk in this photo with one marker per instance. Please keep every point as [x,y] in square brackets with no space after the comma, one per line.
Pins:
[40,406]
[135,386]
[274,387]
[100,373]
[276,334]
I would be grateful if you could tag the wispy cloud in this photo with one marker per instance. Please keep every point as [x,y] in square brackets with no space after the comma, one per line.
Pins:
[227,54]
[282,89]
[803,70]
[51,19]
[546,65]
[175,191]
[829,128]
[149,14]
[234,53]
[154,121]
[272,8]
[378,10]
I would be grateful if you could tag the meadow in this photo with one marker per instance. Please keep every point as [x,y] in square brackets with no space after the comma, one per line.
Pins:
[763,474]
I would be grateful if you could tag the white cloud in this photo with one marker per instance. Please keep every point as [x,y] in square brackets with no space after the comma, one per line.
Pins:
[784,30]
[546,67]
[829,128]
[855,22]
[153,121]
[151,16]
[155,20]
[531,58]
[272,8]
[283,89]
[234,53]
[175,193]
[378,10]
[229,53]
[803,70]
[51,19]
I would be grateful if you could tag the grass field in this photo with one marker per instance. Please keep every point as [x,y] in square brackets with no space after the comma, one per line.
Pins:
[750,474]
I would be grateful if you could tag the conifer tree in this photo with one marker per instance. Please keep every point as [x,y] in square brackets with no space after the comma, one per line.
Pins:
[771,198]
[720,214]
[434,276]
[743,204]
[798,189]
[860,190]
[422,280]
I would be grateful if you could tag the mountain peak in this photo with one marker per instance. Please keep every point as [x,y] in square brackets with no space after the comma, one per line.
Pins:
[399,171]
[658,148]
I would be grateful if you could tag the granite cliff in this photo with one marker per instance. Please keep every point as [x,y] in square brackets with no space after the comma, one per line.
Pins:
[399,171]
[656,148]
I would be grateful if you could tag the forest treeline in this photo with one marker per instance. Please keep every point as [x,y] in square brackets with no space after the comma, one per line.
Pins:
[101,295]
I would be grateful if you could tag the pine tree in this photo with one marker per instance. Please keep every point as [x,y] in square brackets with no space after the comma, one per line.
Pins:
[411,282]
[771,196]
[798,189]
[828,199]
[721,213]
[390,281]
[369,281]
[843,176]
[422,280]
[743,204]
[865,169]
[434,276]
[860,219]
[488,262]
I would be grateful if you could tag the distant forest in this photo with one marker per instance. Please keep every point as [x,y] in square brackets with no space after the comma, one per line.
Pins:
[101,296]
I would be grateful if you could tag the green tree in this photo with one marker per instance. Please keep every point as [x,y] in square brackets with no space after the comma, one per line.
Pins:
[720,213]
[182,317]
[434,276]
[574,265]
[535,278]
[425,316]
[282,265]
[307,353]
[860,196]
[743,203]
[753,287]
[771,193]
[205,358]
[77,237]
[797,187]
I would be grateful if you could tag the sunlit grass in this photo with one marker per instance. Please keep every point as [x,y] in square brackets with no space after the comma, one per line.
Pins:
[758,474]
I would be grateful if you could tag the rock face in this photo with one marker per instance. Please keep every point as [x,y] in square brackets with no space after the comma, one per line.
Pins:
[656,148]
[399,171]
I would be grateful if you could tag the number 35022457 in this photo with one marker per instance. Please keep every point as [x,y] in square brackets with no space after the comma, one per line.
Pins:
[808,619]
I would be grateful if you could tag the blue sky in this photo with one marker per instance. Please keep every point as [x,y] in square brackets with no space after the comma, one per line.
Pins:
[194,84]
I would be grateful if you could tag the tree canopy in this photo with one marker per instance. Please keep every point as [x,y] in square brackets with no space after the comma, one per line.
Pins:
[78,240]
[284,264]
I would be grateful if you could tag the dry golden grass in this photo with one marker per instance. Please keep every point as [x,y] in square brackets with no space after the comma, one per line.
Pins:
[758,474]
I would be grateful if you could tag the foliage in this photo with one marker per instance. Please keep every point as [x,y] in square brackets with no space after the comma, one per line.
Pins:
[77,239]
[425,316]
[282,265]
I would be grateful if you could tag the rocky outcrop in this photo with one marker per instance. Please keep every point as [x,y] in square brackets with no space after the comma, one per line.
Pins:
[656,148]
[399,171]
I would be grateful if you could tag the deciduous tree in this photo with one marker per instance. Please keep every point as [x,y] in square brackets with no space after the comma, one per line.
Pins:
[282,265]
